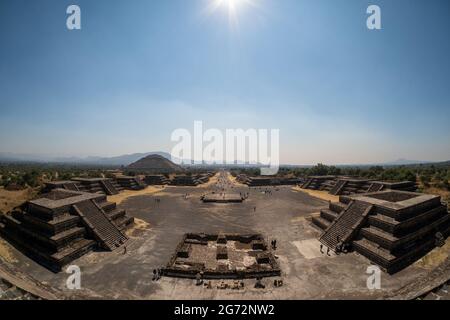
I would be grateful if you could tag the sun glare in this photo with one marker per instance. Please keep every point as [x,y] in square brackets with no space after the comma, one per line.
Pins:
[232,6]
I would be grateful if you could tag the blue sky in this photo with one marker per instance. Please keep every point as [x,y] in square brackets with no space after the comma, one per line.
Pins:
[137,70]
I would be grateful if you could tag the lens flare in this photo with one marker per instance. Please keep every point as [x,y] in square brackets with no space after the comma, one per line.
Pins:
[232,6]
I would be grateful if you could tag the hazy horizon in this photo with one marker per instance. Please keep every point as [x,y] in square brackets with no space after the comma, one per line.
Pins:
[53,158]
[136,71]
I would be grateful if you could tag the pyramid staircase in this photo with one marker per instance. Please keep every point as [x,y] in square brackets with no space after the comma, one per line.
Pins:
[375,187]
[156,180]
[130,183]
[327,216]
[118,216]
[103,229]
[338,187]
[322,183]
[307,183]
[109,188]
[347,224]
[116,185]
[71,186]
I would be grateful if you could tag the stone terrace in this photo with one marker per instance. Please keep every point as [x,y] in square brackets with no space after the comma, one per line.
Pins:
[63,225]
[398,227]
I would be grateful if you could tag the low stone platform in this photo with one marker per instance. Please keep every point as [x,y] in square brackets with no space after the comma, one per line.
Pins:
[130,183]
[190,180]
[156,180]
[268,181]
[222,256]
[100,185]
[223,198]
[347,186]
[91,185]
[61,184]
[350,186]
[319,183]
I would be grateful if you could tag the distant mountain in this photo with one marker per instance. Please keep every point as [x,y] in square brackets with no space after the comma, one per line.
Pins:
[155,163]
[122,160]
[405,162]
[16,157]
[127,159]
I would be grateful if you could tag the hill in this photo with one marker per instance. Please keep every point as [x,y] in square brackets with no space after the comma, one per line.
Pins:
[155,163]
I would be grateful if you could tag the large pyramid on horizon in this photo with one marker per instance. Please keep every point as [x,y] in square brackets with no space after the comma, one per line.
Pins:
[156,164]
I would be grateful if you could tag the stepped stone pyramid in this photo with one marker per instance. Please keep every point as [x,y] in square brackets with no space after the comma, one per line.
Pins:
[156,164]
[100,185]
[63,225]
[319,183]
[130,183]
[204,177]
[391,228]
[62,184]
[190,180]
[91,185]
[267,181]
[185,180]
[156,180]
[348,186]
[343,185]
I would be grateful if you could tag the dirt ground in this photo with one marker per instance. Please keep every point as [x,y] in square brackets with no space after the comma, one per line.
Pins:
[435,258]
[126,194]
[324,195]
[6,252]
[234,181]
[11,199]
[443,193]
[212,181]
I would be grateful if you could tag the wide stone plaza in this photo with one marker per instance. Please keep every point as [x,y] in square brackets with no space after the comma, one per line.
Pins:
[165,215]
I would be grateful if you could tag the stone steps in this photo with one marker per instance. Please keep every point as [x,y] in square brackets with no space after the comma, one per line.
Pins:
[375,187]
[390,225]
[51,227]
[391,242]
[328,215]
[107,206]
[123,222]
[45,256]
[343,228]
[321,222]
[338,187]
[108,187]
[107,233]
[116,214]
[387,261]
[337,207]
[53,243]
